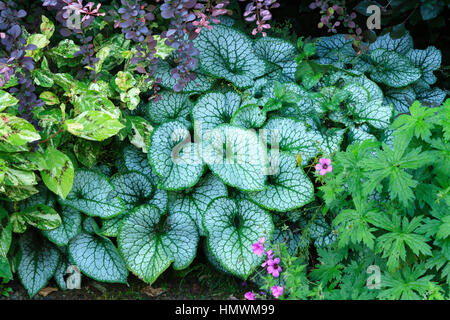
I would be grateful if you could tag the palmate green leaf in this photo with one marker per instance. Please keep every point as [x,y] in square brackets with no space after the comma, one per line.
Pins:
[366,109]
[249,116]
[59,172]
[288,186]
[280,53]
[38,263]
[227,53]
[172,107]
[134,189]
[16,131]
[237,156]
[150,241]
[215,108]
[409,283]
[69,228]
[416,124]
[428,61]
[401,235]
[94,125]
[174,157]
[194,201]
[393,69]
[200,84]
[98,258]
[232,227]
[353,225]
[92,194]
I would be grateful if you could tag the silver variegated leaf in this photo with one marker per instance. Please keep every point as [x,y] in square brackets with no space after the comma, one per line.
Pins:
[228,53]
[249,116]
[288,187]
[237,156]
[38,263]
[69,228]
[232,227]
[92,194]
[174,158]
[194,201]
[171,107]
[150,241]
[98,258]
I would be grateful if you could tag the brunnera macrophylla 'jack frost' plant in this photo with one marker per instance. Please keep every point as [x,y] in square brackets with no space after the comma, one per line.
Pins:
[405,73]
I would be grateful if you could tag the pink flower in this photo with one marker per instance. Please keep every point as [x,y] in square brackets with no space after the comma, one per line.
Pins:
[277,291]
[249,296]
[258,247]
[324,166]
[269,254]
[273,268]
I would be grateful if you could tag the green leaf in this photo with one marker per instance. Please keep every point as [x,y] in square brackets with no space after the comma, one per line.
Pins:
[39,40]
[38,263]
[6,100]
[249,116]
[5,243]
[215,108]
[288,187]
[59,171]
[171,107]
[280,53]
[227,53]
[87,152]
[42,78]
[16,131]
[98,258]
[232,228]
[47,27]
[237,156]
[41,216]
[124,80]
[393,69]
[335,49]
[69,228]
[150,241]
[174,158]
[194,201]
[92,194]
[94,125]
[49,98]
[139,131]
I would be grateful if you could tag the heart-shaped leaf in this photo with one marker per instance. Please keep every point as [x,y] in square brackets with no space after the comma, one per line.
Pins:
[69,228]
[92,194]
[150,241]
[194,201]
[38,263]
[237,156]
[232,228]
[214,109]
[228,53]
[174,157]
[428,61]
[249,116]
[288,188]
[171,107]
[280,53]
[393,69]
[98,258]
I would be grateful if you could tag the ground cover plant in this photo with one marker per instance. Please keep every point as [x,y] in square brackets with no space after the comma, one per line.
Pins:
[148,138]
